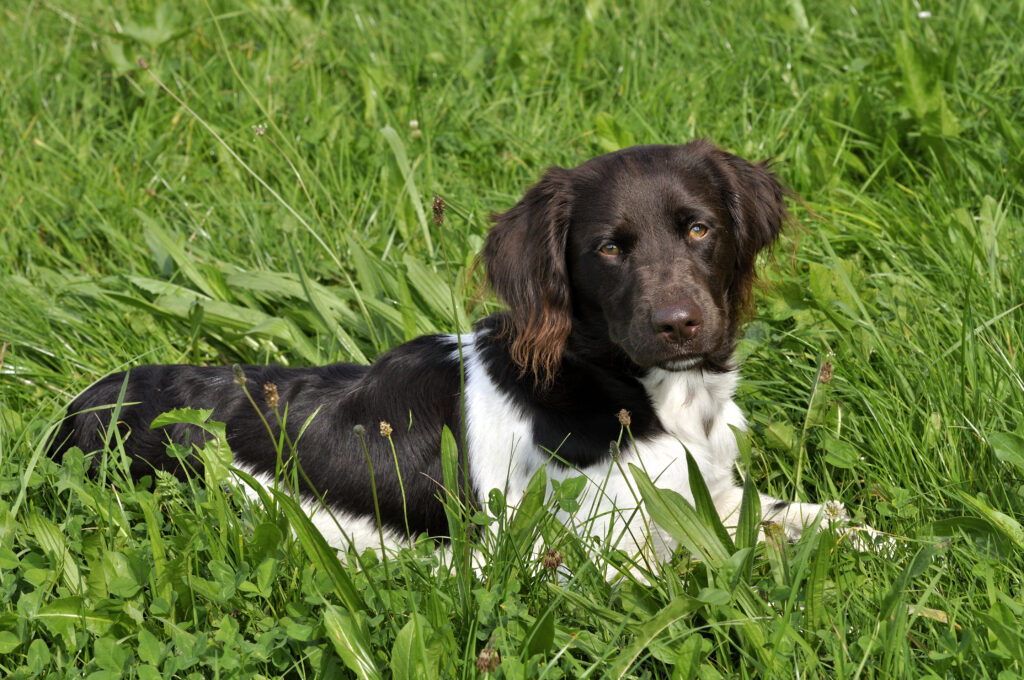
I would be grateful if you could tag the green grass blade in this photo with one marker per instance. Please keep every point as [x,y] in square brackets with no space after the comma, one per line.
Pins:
[705,505]
[402,158]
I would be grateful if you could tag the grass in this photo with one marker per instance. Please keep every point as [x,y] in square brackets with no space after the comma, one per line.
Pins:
[284,216]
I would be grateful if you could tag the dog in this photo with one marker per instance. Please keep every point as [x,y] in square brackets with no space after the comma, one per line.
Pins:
[626,281]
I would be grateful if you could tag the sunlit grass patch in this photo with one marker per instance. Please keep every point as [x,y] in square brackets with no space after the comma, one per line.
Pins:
[283,217]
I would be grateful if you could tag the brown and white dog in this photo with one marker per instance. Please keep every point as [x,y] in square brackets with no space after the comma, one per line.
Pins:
[626,280]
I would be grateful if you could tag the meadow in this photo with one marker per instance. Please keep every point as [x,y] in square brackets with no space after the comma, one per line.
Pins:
[220,183]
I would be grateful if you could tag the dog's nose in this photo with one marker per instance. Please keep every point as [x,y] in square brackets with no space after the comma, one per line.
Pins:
[677,323]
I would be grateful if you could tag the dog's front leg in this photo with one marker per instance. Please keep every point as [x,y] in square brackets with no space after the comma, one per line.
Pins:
[794,518]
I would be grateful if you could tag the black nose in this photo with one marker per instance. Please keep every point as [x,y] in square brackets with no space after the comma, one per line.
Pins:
[677,323]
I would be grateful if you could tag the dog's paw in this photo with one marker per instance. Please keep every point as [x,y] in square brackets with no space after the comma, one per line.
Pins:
[799,518]
[862,537]
[795,519]
[865,538]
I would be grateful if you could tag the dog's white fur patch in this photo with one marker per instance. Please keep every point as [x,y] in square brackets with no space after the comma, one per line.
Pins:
[342,530]
[696,410]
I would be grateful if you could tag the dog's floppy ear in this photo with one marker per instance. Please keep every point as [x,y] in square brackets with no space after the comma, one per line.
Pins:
[525,259]
[757,207]
[755,202]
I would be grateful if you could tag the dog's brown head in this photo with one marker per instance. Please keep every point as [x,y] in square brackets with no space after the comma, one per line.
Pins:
[645,254]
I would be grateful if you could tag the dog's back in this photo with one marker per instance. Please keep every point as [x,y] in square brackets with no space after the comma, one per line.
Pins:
[317,408]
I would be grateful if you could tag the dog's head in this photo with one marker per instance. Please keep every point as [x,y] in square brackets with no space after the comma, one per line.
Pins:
[647,253]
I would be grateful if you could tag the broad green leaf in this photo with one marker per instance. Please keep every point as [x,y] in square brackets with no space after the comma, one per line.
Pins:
[453,508]
[714,596]
[776,548]
[1006,628]
[38,656]
[150,649]
[53,542]
[215,452]
[780,436]
[688,659]
[999,520]
[154,531]
[840,454]
[162,29]
[451,465]
[705,505]
[1009,448]
[568,492]
[923,92]
[8,642]
[64,615]
[611,134]
[675,515]
[8,559]
[416,653]
[148,672]
[350,641]
[919,87]
[541,634]
[110,655]
[742,444]
[113,50]
[750,516]
[124,575]
[529,510]
[981,531]
[799,14]
[676,611]
[265,574]
[368,269]
[736,569]
[187,416]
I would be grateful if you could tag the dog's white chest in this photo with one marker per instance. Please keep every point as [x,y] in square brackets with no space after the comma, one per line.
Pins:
[695,411]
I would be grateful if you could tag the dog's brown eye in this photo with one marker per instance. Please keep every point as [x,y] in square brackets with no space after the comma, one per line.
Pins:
[610,249]
[698,230]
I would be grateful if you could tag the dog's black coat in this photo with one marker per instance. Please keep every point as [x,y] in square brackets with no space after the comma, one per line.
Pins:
[635,261]
[420,372]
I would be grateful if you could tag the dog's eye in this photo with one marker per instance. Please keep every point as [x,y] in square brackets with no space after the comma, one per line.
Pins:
[610,250]
[698,230]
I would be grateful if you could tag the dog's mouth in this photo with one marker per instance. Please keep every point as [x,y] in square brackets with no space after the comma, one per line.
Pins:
[666,356]
[682,363]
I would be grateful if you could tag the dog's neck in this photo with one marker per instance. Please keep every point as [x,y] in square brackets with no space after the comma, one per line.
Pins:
[694,405]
